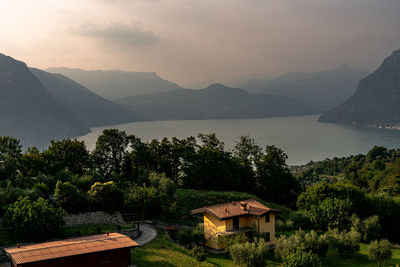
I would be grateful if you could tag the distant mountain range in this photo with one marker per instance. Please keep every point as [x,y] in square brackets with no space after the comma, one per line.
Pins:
[324,90]
[214,102]
[116,84]
[90,108]
[376,102]
[28,111]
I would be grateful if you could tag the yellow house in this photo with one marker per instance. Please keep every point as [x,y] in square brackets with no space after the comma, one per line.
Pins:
[237,216]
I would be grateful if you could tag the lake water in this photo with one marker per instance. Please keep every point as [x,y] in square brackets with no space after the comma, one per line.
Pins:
[302,138]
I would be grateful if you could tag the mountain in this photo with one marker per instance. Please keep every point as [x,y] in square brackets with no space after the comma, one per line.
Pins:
[116,84]
[28,111]
[214,102]
[92,109]
[376,101]
[324,90]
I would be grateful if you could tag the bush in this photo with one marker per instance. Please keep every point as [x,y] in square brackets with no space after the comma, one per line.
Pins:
[249,254]
[346,243]
[227,241]
[284,226]
[70,198]
[106,196]
[370,228]
[309,242]
[300,220]
[34,219]
[199,253]
[300,258]
[191,237]
[379,251]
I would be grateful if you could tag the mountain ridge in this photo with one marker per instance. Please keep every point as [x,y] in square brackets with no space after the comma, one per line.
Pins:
[323,89]
[376,102]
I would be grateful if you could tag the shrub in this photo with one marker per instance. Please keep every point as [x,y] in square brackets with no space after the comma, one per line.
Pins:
[191,237]
[346,243]
[226,241]
[300,220]
[199,253]
[379,251]
[310,242]
[34,219]
[284,226]
[70,198]
[369,228]
[106,196]
[300,258]
[249,254]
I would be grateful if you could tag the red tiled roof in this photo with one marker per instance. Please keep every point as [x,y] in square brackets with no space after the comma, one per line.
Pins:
[68,247]
[235,208]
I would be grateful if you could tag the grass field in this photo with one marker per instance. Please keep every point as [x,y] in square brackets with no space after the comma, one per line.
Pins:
[168,254]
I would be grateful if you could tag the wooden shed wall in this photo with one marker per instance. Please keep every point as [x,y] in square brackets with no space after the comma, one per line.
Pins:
[111,258]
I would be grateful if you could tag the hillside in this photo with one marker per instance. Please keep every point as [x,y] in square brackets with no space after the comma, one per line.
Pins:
[28,111]
[92,109]
[324,90]
[214,102]
[376,102]
[115,84]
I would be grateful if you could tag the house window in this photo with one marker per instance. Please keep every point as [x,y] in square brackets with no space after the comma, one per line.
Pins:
[267,237]
[236,223]
[267,219]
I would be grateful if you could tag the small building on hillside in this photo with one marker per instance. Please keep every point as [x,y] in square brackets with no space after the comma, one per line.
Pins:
[235,217]
[111,250]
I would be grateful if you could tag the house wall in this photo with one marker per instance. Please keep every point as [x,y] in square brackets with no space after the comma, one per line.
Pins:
[265,227]
[211,227]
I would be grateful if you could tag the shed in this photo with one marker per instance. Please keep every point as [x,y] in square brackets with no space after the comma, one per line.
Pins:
[111,249]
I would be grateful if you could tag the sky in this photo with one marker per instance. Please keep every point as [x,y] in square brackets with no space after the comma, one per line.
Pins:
[189,41]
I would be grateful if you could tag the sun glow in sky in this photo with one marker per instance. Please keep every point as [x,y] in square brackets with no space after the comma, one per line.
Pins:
[187,41]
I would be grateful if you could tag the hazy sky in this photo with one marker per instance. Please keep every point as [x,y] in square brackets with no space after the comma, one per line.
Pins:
[193,40]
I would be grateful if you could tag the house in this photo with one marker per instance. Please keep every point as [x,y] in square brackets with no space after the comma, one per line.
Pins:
[235,217]
[110,249]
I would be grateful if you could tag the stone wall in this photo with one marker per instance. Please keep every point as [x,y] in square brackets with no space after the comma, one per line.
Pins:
[97,217]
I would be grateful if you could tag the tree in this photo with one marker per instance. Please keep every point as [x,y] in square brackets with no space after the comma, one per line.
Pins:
[106,196]
[319,192]
[379,251]
[346,243]
[211,168]
[69,155]
[249,254]
[330,213]
[273,173]
[10,157]
[32,162]
[70,198]
[110,151]
[34,219]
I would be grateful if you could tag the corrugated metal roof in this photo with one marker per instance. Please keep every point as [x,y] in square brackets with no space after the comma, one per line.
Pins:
[234,209]
[68,247]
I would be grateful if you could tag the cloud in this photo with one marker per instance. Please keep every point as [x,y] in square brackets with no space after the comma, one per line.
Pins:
[117,34]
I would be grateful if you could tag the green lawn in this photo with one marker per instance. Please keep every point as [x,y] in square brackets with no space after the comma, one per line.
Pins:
[172,255]
[360,259]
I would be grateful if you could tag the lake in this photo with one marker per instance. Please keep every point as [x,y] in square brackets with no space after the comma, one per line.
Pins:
[302,138]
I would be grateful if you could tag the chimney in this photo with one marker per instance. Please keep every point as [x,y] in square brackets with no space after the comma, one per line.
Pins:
[243,205]
[226,209]
[18,246]
[108,233]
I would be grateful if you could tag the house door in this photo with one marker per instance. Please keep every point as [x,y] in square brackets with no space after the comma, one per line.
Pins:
[236,223]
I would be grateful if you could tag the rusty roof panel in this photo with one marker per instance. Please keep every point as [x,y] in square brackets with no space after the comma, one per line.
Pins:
[235,208]
[68,247]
